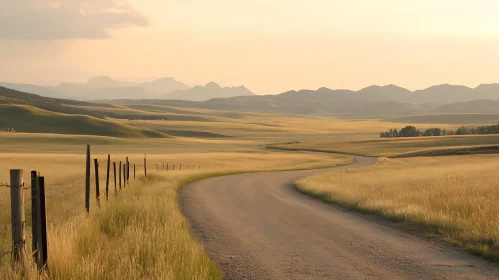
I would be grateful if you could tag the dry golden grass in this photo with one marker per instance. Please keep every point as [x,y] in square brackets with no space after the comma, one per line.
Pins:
[140,234]
[456,195]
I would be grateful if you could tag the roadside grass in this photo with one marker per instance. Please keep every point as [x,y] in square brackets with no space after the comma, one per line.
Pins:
[454,198]
[141,233]
[390,147]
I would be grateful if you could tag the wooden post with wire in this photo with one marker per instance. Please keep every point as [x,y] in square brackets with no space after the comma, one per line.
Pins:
[107,176]
[97,190]
[34,217]
[42,224]
[17,215]
[124,175]
[127,172]
[114,171]
[87,181]
[119,177]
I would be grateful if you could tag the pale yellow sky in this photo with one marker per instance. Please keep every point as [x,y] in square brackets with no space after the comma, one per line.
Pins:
[269,46]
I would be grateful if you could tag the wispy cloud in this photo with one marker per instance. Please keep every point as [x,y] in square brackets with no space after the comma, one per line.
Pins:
[65,19]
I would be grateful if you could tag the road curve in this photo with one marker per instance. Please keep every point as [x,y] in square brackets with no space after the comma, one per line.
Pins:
[256,226]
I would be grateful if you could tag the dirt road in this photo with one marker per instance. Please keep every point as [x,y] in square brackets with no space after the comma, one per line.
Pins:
[256,226]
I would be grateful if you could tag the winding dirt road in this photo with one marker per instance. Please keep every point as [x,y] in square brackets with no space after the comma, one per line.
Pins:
[256,226]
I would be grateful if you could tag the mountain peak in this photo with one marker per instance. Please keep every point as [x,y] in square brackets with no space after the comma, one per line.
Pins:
[212,85]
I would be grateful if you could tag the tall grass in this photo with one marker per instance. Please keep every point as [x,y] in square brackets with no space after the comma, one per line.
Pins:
[140,234]
[454,197]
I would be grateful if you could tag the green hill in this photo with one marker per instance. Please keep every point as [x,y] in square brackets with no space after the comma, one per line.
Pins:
[25,118]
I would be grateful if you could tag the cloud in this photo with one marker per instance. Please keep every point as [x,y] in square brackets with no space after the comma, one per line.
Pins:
[65,19]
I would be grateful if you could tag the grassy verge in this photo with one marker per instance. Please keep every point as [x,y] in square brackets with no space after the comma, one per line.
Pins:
[141,233]
[453,198]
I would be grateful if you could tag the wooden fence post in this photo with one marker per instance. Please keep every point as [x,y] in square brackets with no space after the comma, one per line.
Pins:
[87,181]
[127,171]
[134,171]
[124,175]
[114,171]
[97,190]
[145,165]
[17,215]
[107,176]
[34,216]
[119,177]
[42,225]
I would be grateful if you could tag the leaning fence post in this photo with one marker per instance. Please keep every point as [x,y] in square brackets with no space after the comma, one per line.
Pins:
[97,190]
[34,216]
[17,214]
[87,181]
[107,176]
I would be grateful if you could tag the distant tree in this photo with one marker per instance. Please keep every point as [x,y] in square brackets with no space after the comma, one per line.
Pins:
[381,135]
[395,133]
[437,132]
[409,131]
[428,132]
[444,132]
[451,132]
[463,131]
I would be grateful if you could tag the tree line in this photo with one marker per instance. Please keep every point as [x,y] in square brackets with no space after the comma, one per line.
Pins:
[412,131]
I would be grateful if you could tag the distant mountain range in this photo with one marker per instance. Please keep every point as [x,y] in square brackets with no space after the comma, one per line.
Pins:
[381,102]
[211,90]
[104,87]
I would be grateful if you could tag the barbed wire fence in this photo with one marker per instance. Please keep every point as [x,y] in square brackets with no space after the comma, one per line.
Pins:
[56,193]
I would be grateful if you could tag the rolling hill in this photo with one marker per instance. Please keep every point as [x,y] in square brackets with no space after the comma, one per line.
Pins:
[40,90]
[481,106]
[25,118]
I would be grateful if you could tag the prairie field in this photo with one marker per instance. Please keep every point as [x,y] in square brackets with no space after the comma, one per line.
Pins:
[453,197]
[139,232]
[389,147]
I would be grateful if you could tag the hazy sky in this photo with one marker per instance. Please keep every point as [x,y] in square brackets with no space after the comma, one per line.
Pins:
[268,45]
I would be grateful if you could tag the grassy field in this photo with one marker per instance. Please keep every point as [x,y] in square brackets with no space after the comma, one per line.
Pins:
[394,146]
[452,197]
[140,234]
